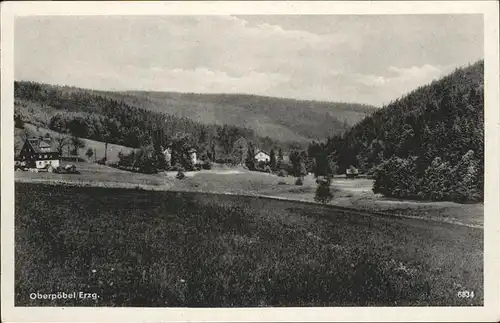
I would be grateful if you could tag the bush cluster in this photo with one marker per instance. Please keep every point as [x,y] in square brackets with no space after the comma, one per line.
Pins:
[145,160]
[439,181]
[282,173]
[323,193]
[180,175]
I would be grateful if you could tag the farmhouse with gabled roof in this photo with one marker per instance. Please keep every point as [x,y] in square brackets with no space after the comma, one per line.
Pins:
[39,153]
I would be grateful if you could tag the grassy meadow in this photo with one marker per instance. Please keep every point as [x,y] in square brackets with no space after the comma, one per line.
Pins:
[147,248]
[356,194]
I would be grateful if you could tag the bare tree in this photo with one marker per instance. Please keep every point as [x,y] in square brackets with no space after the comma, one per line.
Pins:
[89,153]
[61,142]
[77,143]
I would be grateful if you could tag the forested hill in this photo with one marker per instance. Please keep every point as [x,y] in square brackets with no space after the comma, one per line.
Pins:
[429,132]
[87,114]
[277,118]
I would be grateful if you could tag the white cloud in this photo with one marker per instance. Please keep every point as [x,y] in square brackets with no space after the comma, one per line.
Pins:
[210,81]
[397,81]
[410,76]
[424,72]
[200,79]
[350,58]
[371,80]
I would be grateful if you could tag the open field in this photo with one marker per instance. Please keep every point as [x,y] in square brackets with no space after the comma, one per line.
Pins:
[144,248]
[355,194]
[98,176]
[358,194]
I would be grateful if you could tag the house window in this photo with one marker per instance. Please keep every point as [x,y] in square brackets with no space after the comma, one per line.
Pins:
[44,156]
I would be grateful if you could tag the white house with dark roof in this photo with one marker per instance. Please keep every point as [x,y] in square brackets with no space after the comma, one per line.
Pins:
[39,153]
[262,156]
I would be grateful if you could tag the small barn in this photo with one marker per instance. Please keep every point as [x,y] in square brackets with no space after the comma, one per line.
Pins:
[39,153]
[262,156]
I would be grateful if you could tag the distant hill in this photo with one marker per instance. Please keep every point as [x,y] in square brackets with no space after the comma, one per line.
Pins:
[277,118]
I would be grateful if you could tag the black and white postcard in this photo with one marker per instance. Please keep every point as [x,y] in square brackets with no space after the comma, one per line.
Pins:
[250,161]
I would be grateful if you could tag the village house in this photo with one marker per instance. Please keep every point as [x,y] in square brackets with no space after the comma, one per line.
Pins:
[262,156]
[168,155]
[39,153]
[192,154]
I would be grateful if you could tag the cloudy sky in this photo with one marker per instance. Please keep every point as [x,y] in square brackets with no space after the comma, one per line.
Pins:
[366,59]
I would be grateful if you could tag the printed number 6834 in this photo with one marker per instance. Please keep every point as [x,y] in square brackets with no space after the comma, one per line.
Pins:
[466,294]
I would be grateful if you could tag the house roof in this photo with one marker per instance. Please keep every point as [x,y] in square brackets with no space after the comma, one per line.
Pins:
[260,151]
[39,144]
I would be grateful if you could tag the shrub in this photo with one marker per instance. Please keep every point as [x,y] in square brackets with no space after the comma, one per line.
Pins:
[397,177]
[282,173]
[220,160]
[180,175]
[299,181]
[323,193]
[206,165]
[18,121]
[261,164]
[176,168]
[465,176]
[435,183]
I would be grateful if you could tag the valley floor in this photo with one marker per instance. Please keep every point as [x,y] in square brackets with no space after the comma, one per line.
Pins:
[151,248]
[356,194]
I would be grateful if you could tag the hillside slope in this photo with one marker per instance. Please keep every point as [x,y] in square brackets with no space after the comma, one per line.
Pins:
[268,116]
[277,118]
[436,129]
[97,147]
[93,115]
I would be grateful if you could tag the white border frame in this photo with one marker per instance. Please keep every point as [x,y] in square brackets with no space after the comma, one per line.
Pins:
[489,312]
